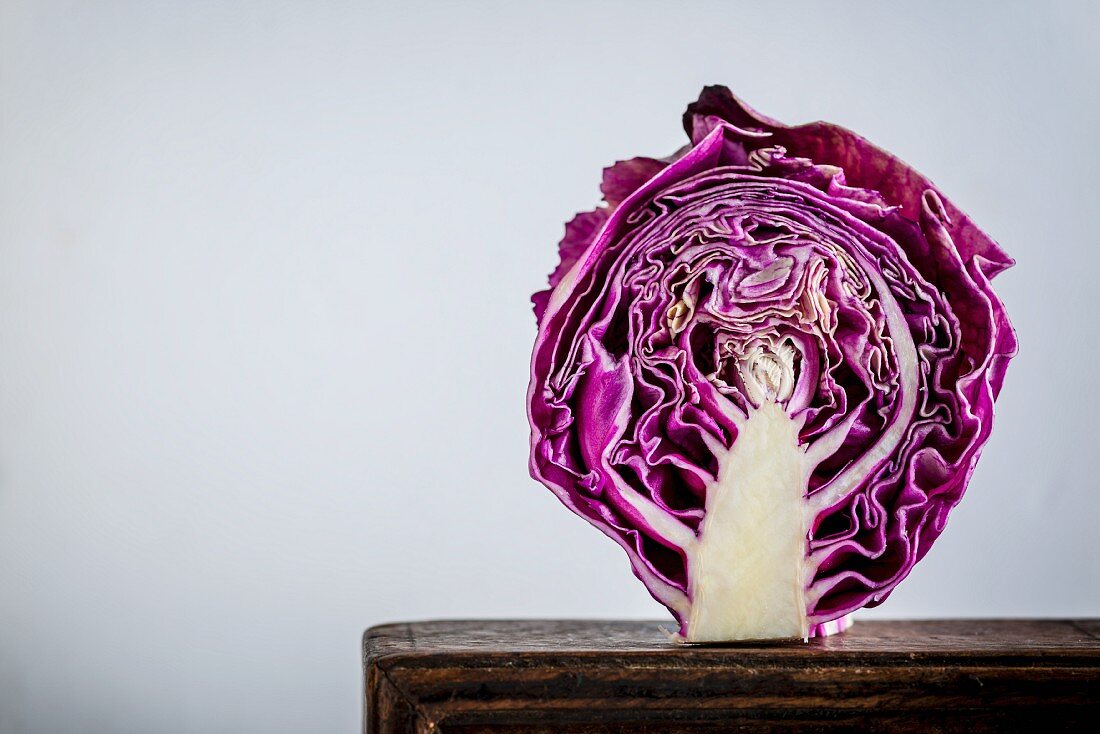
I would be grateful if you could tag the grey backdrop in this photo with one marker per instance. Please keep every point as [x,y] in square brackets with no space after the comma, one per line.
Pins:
[264,329]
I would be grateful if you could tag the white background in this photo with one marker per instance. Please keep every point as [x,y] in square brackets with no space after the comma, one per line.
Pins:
[264,329]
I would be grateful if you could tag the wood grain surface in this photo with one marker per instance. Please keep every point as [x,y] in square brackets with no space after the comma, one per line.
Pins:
[618,676]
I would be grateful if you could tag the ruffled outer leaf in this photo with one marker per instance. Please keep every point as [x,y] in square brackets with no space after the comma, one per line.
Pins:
[865,166]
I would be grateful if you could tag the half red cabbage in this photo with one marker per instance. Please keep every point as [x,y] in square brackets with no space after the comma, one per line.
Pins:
[766,368]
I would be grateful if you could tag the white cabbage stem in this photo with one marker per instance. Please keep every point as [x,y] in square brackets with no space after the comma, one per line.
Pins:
[746,572]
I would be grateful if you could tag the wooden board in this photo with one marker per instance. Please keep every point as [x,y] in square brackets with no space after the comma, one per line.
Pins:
[615,676]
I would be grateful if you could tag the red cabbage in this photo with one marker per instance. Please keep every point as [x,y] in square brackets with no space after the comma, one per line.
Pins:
[766,368]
